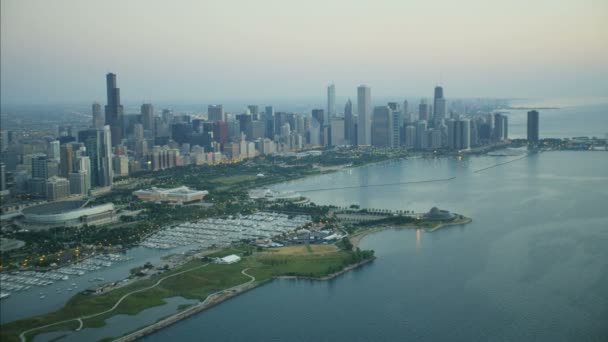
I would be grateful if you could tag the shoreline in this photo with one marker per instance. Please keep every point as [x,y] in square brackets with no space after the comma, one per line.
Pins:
[357,237]
[221,296]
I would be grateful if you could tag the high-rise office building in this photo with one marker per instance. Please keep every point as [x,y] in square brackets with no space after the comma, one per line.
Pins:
[254,111]
[397,118]
[349,123]
[410,136]
[423,110]
[147,116]
[67,160]
[336,136]
[319,116]
[53,150]
[79,185]
[382,127]
[462,134]
[98,118]
[269,118]
[216,113]
[40,167]
[99,150]
[438,106]
[533,126]
[57,188]
[114,110]
[331,103]
[405,111]
[421,134]
[364,111]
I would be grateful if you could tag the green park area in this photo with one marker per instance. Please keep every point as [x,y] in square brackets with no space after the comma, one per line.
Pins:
[196,279]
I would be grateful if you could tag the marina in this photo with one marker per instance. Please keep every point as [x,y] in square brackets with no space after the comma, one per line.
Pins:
[26,280]
[216,232]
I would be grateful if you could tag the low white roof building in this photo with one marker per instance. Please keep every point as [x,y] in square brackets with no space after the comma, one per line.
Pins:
[229,259]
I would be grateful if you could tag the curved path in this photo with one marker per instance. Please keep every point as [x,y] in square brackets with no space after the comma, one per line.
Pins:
[79,319]
[190,311]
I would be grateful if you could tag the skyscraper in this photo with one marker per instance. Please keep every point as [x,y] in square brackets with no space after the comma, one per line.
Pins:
[114,110]
[331,103]
[382,127]
[349,123]
[147,116]
[215,113]
[254,111]
[53,150]
[99,151]
[423,110]
[533,126]
[98,119]
[364,109]
[269,117]
[438,106]
[67,160]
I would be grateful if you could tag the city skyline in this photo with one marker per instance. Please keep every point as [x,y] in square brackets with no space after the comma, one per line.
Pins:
[537,58]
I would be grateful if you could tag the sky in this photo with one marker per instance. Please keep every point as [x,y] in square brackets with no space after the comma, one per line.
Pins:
[59,51]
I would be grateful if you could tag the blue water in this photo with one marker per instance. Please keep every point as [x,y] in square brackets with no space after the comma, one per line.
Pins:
[533,265]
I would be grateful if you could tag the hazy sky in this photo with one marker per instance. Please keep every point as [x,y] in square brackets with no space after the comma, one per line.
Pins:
[58,51]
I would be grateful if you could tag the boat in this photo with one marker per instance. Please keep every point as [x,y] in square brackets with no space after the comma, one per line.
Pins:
[42,297]
[4,295]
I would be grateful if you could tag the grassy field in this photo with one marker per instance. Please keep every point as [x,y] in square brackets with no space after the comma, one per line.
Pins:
[302,249]
[195,284]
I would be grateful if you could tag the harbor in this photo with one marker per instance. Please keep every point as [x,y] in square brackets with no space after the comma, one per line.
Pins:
[217,232]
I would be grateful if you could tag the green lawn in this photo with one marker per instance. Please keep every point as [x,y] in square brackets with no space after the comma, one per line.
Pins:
[195,284]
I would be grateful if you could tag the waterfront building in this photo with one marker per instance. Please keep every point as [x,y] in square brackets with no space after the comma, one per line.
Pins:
[421,134]
[216,113]
[331,103]
[462,130]
[500,127]
[114,110]
[410,136]
[179,195]
[364,109]
[98,117]
[533,126]
[382,127]
[147,116]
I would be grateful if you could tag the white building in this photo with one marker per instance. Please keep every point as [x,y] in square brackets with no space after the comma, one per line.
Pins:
[180,195]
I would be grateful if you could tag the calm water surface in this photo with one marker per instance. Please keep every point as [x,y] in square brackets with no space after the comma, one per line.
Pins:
[533,265]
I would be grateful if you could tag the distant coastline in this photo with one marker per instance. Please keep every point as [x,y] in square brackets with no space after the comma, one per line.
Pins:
[531,108]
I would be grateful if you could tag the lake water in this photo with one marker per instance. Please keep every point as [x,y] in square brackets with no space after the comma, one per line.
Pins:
[533,265]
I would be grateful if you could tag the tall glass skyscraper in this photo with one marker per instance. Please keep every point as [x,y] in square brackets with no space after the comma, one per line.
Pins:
[114,110]
[364,112]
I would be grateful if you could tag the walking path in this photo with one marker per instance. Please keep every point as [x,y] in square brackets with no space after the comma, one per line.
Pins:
[79,319]
[189,311]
